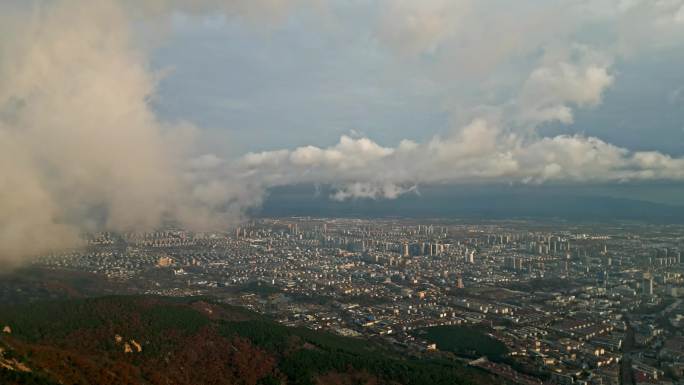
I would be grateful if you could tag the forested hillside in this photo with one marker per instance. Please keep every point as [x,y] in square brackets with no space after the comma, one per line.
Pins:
[155,340]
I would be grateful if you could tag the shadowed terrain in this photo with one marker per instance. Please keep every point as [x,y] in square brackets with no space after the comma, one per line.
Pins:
[158,340]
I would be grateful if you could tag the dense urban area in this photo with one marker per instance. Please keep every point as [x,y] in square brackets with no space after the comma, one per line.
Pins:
[530,302]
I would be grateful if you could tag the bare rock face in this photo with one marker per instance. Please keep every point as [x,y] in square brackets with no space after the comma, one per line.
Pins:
[136,346]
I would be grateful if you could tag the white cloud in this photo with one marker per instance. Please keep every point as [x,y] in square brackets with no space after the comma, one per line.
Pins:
[80,147]
[78,135]
[369,190]
[553,89]
[415,27]
[679,16]
[480,152]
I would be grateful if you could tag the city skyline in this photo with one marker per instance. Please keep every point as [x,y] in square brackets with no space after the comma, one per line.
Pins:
[524,301]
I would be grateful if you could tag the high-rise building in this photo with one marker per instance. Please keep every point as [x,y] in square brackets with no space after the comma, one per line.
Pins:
[647,285]
[510,263]
[469,256]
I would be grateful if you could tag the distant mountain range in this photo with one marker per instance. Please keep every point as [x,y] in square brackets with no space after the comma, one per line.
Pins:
[492,202]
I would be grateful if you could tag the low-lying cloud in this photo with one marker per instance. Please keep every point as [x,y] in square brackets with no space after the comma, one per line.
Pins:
[480,152]
[80,147]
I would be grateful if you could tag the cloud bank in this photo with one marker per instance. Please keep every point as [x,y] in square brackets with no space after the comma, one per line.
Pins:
[80,147]
[480,152]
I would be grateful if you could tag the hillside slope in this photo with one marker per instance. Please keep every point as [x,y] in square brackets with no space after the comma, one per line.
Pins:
[155,340]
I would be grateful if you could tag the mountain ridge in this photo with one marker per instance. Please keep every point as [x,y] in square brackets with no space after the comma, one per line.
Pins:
[470,203]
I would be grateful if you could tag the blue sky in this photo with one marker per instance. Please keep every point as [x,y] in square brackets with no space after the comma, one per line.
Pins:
[308,78]
[290,86]
[644,109]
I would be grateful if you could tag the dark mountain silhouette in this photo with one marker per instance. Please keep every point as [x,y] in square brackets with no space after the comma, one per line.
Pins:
[492,202]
